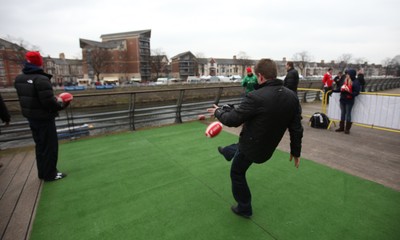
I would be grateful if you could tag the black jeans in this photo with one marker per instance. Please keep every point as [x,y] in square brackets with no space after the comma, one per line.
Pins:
[240,188]
[44,133]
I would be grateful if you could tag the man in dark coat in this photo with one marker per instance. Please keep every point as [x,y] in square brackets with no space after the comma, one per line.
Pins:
[361,79]
[292,77]
[265,113]
[4,114]
[40,107]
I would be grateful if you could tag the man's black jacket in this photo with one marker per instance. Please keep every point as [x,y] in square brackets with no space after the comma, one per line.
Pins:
[35,93]
[291,80]
[265,113]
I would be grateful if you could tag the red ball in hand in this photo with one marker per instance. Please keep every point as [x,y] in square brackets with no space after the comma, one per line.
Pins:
[66,97]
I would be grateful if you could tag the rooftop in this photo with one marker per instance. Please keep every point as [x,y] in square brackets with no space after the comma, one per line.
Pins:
[171,183]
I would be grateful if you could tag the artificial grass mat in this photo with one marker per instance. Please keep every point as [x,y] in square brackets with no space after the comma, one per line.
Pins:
[171,183]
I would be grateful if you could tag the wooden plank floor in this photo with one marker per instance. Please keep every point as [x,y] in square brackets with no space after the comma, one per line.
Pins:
[19,192]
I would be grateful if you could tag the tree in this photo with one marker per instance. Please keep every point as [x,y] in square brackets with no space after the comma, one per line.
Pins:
[302,58]
[158,62]
[99,59]
[392,66]
[244,61]
[344,61]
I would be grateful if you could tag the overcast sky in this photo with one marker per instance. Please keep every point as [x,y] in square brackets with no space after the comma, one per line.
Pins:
[368,29]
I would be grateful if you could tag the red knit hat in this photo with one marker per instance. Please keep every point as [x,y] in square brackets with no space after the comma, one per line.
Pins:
[249,70]
[34,58]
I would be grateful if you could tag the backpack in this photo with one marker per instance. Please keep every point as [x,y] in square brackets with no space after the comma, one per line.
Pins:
[319,120]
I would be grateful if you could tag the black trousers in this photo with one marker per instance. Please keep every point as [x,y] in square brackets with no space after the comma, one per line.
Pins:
[44,133]
[240,188]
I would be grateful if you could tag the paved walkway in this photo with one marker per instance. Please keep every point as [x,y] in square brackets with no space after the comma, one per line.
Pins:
[368,153]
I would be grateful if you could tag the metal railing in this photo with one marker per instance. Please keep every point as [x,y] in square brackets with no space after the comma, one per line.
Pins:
[100,113]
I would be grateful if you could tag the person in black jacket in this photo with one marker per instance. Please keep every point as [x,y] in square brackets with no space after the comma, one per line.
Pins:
[40,107]
[291,80]
[265,113]
[339,80]
[4,114]
[361,79]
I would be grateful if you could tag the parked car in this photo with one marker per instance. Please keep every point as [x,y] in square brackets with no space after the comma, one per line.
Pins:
[235,78]
[194,79]
[162,81]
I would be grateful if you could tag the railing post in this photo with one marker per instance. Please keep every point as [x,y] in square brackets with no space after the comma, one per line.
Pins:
[70,120]
[178,116]
[218,97]
[132,98]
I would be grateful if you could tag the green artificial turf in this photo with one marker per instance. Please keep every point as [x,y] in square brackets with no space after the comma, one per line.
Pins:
[171,183]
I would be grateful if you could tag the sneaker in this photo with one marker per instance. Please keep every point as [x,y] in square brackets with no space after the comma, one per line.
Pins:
[235,210]
[58,176]
[228,155]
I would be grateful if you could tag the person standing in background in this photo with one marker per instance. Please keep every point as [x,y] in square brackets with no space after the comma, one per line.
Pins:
[339,80]
[250,81]
[292,77]
[361,80]
[328,82]
[4,114]
[349,91]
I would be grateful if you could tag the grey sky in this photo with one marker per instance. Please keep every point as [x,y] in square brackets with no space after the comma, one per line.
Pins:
[368,29]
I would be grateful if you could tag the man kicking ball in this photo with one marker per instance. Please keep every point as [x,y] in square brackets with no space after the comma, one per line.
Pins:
[265,113]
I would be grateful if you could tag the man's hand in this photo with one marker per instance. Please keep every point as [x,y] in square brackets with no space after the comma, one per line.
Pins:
[296,160]
[212,110]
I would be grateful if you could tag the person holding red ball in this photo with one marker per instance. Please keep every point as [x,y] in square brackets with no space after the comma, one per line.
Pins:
[40,107]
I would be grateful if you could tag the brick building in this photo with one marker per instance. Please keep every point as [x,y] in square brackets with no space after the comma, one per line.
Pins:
[12,57]
[127,56]
[184,65]
[64,71]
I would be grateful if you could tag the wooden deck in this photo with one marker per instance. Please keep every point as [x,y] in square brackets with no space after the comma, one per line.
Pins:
[19,193]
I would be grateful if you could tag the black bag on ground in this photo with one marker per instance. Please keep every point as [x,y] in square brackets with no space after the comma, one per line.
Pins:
[319,120]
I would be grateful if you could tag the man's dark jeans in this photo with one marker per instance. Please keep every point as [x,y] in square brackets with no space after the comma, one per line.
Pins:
[44,133]
[240,189]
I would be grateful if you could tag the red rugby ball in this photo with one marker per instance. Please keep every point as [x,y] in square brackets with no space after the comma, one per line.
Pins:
[66,97]
[213,129]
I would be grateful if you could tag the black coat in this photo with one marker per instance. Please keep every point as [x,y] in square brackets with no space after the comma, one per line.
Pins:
[291,80]
[4,114]
[265,113]
[35,93]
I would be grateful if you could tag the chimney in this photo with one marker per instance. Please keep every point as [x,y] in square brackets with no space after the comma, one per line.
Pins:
[62,56]
[284,59]
[234,57]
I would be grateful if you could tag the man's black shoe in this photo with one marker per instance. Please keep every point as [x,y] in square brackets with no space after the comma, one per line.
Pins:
[221,151]
[239,213]
[58,176]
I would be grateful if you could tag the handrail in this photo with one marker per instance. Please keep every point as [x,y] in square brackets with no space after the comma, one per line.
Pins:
[132,111]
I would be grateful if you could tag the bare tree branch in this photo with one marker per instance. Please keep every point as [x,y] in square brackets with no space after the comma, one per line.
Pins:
[302,58]
[99,59]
